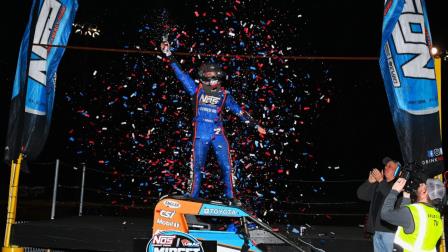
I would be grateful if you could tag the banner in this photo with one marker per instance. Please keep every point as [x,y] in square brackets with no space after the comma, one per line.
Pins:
[32,100]
[409,78]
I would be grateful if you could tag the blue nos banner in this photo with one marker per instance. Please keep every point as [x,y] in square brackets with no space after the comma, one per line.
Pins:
[32,100]
[407,67]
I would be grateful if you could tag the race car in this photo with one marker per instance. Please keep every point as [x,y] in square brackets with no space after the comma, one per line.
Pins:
[219,227]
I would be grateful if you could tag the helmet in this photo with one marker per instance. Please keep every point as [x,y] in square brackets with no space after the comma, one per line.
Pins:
[211,67]
[213,82]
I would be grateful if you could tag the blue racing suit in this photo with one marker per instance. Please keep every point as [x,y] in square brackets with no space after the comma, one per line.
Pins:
[209,131]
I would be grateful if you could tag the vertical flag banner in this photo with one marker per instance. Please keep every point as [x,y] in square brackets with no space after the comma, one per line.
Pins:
[410,82]
[50,23]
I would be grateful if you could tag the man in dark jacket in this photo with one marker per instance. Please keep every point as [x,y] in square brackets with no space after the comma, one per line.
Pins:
[375,190]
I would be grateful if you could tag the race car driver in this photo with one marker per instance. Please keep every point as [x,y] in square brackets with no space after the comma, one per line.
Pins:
[210,98]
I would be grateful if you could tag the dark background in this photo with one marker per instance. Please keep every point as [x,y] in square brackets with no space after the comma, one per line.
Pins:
[354,132]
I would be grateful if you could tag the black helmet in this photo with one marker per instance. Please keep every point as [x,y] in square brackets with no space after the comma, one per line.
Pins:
[211,67]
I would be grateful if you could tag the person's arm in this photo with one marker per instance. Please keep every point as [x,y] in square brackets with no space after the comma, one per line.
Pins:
[406,199]
[401,216]
[398,217]
[184,78]
[384,187]
[231,104]
[366,190]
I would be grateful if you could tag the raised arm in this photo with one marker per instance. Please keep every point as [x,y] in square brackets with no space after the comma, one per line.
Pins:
[366,190]
[398,217]
[231,104]
[183,77]
[401,216]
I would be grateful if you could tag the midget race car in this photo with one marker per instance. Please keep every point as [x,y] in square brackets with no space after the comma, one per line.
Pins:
[217,227]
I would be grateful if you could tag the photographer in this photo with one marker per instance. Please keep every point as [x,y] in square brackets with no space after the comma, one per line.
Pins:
[375,190]
[420,225]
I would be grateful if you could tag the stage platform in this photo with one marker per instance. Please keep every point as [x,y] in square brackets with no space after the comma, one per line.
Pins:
[100,233]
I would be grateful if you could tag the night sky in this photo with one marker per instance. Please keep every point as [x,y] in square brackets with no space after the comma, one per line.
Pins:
[346,124]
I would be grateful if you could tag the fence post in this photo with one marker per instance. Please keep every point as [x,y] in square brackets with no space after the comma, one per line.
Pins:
[81,200]
[55,190]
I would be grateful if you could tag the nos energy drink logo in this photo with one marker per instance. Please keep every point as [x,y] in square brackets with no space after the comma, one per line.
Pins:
[174,241]
[410,63]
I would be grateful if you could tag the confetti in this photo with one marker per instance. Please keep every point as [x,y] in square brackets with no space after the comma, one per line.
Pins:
[132,119]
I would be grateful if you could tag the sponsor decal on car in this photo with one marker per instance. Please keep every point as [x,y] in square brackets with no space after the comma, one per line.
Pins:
[171,204]
[168,223]
[173,241]
[219,211]
[167,214]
